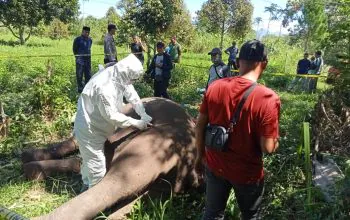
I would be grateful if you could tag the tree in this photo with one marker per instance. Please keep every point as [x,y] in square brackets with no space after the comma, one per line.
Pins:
[58,30]
[112,16]
[274,10]
[223,16]
[150,18]
[257,21]
[312,21]
[338,45]
[181,27]
[21,16]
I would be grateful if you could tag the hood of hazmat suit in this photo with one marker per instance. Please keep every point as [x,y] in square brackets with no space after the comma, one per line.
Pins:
[101,101]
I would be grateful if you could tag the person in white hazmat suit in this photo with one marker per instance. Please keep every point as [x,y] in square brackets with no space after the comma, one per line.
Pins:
[99,114]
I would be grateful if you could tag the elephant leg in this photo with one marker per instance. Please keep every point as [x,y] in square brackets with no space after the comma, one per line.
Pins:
[56,151]
[39,170]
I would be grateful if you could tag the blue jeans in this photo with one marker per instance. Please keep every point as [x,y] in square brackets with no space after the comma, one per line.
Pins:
[248,196]
[83,68]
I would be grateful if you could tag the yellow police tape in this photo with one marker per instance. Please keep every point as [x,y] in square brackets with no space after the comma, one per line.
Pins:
[266,74]
[186,65]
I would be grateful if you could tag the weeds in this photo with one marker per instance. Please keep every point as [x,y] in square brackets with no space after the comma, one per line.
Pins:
[41,103]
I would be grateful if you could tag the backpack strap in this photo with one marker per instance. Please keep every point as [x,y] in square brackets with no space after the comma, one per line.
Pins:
[235,117]
[217,74]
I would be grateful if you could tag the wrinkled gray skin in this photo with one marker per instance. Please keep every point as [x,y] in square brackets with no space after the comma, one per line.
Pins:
[141,158]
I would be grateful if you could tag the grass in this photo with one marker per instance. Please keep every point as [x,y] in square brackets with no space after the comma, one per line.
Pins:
[40,107]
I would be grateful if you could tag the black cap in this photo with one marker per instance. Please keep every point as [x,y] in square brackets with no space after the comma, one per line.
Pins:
[253,50]
[86,28]
[215,50]
[160,44]
[111,26]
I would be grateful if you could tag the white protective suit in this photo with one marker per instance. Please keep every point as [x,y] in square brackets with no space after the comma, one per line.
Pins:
[98,114]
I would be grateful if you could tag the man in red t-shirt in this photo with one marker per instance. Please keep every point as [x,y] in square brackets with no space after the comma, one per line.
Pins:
[240,167]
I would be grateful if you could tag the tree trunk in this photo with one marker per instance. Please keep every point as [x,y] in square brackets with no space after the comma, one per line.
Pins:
[21,36]
[222,33]
[279,35]
[257,32]
[268,27]
[306,42]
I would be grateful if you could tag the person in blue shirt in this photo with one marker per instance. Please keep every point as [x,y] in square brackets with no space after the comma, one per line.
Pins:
[82,53]
[232,52]
[303,68]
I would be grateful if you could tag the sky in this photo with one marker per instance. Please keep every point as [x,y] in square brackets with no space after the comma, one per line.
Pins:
[98,8]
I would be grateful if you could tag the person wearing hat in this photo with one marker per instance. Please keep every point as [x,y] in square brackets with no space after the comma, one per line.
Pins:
[218,70]
[110,50]
[174,50]
[82,53]
[240,166]
[160,71]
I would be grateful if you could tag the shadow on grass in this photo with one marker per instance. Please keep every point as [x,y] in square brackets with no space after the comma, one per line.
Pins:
[13,43]
[59,184]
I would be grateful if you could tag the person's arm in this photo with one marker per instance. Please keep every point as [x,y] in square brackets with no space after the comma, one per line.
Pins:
[108,109]
[201,124]
[269,125]
[75,46]
[151,66]
[227,51]
[318,66]
[133,98]
[298,66]
[167,64]
[143,48]
[268,145]
[226,70]
[179,52]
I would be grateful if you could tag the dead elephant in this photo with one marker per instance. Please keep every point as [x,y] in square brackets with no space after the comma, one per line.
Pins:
[135,161]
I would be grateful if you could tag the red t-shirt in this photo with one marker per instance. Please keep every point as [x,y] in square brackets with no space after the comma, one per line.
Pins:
[242,163]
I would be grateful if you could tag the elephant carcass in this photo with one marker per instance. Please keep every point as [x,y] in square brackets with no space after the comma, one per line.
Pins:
[165,150]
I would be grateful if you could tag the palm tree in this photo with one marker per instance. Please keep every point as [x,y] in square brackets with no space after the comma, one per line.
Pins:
[257,21]
[273,9]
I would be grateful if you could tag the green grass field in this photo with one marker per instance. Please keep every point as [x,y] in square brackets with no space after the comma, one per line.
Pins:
[41,106]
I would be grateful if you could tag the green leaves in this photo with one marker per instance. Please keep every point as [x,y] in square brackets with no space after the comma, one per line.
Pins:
[233,16]
[21,14]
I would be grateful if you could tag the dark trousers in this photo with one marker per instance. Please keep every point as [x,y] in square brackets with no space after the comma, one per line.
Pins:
[83,68]
[106,60]
[232,64]
[160,88]
[313,85]
[248,196]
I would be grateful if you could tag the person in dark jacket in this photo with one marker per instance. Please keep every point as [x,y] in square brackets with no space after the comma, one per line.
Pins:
[82,53]
[137,48]
[160,71]
[302,69]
